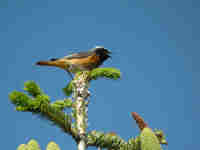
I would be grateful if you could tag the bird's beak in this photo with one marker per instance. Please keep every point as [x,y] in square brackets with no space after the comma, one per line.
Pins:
[109,52]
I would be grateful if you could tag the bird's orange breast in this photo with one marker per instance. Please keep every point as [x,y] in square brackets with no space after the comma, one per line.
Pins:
[93,59]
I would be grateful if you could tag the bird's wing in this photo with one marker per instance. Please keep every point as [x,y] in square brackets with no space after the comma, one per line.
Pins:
[79,55]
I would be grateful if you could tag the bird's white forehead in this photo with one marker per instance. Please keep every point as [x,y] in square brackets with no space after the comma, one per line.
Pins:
[99,47]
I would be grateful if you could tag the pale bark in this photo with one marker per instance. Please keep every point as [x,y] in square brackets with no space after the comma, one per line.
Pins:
[80,95]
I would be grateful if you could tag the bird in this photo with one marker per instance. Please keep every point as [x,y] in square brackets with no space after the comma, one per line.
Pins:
[81,61]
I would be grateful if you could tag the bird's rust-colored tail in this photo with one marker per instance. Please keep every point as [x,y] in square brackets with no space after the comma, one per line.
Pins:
[57,63]
[46,63]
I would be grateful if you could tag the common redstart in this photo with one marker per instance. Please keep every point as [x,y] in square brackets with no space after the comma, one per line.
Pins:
[82,61]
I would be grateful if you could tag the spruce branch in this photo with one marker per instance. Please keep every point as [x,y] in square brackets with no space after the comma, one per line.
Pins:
[105,140]
[108,73]
[112,141]
[39,103]
[147,140]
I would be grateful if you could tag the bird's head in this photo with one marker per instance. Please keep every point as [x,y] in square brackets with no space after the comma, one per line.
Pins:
[102,52]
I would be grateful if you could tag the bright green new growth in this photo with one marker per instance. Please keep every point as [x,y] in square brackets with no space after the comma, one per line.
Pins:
[33,145]
[25,103]
[32,88]
[61,105]
[148,140]
[52,146]
[161,137]
[110,73]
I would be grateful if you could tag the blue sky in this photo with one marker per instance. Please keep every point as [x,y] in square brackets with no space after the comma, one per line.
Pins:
[155,44]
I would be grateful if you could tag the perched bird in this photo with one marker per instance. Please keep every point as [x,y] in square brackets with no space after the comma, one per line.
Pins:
[82,61]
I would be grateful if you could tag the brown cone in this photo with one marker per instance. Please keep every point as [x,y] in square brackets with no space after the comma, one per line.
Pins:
[139,120]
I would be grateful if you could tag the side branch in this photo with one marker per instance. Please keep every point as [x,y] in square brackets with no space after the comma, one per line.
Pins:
[40,104]
[105,140]
[59,118]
